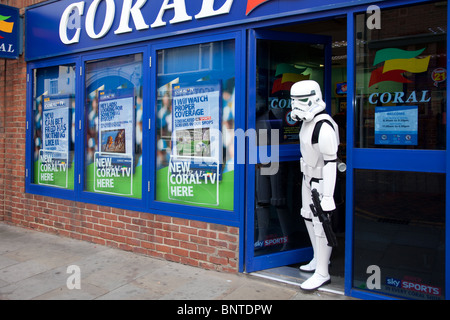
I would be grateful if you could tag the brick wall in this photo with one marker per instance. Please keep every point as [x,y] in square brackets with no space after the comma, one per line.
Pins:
[201,244]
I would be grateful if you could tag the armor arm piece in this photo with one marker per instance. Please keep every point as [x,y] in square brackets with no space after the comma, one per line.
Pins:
[328,147]
[329,181]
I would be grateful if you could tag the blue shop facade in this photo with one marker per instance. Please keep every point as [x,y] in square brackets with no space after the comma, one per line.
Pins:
[183,107]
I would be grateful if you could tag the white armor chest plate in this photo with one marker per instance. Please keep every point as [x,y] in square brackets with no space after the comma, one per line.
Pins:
[310,153]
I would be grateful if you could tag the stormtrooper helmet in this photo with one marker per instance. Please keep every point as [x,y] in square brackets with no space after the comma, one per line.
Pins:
[306,100]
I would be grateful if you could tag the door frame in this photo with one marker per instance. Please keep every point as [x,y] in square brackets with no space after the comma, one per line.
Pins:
[273,260]
[365,158]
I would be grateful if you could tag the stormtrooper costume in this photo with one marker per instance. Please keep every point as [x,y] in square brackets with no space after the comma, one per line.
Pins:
[319,140]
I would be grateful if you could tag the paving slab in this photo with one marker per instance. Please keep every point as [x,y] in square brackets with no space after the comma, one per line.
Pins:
[36,266]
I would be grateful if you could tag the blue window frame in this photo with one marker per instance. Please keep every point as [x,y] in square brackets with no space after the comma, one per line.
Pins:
[114,79]
[51,144]
[189,62]
[380,162]
[267,48]
[89,68]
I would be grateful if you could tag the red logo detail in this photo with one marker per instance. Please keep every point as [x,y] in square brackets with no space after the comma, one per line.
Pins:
[252,4]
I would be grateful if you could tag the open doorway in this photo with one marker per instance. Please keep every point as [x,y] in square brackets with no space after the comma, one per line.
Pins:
[286,236]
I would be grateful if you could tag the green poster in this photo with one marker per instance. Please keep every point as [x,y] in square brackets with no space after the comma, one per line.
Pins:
[53,164]
[202,193]
[113,174]
[193,182]
[113,167]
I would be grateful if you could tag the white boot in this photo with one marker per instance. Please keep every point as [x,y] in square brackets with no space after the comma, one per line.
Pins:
[311,266]
[321,275]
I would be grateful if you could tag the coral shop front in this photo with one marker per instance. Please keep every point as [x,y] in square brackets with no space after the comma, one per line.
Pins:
[164,127]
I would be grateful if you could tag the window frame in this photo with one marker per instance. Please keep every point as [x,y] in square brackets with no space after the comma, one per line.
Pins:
[147,203]
[382,158]
[230,217]
[102,198]
[30,186]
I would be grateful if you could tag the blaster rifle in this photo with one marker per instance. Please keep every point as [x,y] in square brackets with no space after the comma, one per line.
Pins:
[324,218]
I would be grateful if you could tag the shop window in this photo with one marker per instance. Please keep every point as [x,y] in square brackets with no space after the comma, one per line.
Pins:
[113,122]
[399,231]
[195,120]
[53,126]
[401,79]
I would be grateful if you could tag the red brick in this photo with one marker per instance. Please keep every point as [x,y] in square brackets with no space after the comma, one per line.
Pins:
[196,243]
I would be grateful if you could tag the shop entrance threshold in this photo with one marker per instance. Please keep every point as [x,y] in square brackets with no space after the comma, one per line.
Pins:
[292,276]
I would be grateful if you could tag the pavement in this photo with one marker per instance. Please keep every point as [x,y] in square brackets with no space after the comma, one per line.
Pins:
[40,266]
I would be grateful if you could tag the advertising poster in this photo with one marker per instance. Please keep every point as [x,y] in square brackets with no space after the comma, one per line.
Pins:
[53,157]
[194,170]
[193,182]
[396,125]
[113,163]
[196,120]
[113,174]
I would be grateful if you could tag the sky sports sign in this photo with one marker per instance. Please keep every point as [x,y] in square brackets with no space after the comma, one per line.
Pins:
[69,26]
[9,32]
[413,287]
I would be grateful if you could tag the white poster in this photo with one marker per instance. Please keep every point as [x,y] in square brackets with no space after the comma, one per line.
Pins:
[54,155]
[116,121]
[55,126]
[194,166]
[396,125]
[197,121]
[113,162]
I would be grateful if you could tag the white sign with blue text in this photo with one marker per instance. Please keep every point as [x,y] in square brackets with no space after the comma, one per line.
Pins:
[396,125]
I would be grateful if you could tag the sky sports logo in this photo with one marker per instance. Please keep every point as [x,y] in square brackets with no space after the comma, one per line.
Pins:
[395,63]
[413,286]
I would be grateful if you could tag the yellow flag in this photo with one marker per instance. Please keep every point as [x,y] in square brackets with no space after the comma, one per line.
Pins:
[411,65]
[293,77]
[6,26]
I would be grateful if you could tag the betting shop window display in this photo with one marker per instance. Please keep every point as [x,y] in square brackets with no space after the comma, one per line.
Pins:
[113,111]
[53,128]
[195,123]
[401,79]
[399,216]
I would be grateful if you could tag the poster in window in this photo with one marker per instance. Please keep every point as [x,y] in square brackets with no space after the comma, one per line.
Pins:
[54,155]
[194,166]
[396,125]
[113,162]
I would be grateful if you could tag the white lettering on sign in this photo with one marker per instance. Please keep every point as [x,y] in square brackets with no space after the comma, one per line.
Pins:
[70,18]
[77,9]
[399,97]
[208,10]
[109,19]
[135,13]
[9,49]
[180,13]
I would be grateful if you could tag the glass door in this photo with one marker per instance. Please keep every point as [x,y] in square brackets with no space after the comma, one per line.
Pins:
[399,158]
[276,234]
